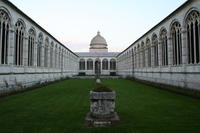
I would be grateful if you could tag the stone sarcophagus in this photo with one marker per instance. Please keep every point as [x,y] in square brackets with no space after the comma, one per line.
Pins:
[102,109]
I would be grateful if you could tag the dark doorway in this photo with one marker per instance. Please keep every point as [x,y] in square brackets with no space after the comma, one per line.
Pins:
[97,67]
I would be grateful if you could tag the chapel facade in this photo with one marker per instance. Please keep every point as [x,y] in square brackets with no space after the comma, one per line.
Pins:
[98,59]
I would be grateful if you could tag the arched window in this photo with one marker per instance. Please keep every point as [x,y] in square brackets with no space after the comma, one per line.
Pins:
[89,64]
[112,64]
[148,52]
[59,57]
[19,42]
[164,47]
[51,55]
[105,64]
[135,58]
[39,49]
[138,56]
[62,56]
[143,54]
[193,36]
[176,43]
[56,59]
[155,49]
[4,36]
[31,43]
[46,50]
[82,64]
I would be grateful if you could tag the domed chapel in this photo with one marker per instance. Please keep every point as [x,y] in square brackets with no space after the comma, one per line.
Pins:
[98,59]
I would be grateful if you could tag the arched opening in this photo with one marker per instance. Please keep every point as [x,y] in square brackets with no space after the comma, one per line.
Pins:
[98,67]
[4,36]
[31,43]
[82,64]
[19,42]
[193,29]
[164,47]
[148,52]
[89,64]
[39,50]
[155,49]
[112,64]
[176,43]
[105,64]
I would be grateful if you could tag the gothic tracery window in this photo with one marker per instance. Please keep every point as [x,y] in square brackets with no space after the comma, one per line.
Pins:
[148,52]
[19,42]
[176,43]
[51,55]
[164,47]
[143,54]
[4,36]
[193,37]
[155,49]
[46,50]
[56,55]
[39,50]
[31,43]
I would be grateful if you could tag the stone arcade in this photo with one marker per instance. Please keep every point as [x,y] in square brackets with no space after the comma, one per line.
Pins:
[169,53]
[98,54]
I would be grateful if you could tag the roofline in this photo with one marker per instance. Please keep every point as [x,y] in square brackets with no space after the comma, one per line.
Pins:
[97,52]
[162,21]
[32,21]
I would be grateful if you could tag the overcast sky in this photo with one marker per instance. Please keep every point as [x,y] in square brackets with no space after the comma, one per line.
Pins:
[76,22]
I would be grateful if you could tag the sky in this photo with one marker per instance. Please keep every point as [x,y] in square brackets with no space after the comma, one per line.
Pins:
[76,22]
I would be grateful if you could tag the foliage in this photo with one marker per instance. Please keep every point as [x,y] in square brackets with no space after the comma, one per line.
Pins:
[99,87]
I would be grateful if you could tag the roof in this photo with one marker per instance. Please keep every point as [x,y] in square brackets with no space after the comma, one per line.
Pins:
[97,54]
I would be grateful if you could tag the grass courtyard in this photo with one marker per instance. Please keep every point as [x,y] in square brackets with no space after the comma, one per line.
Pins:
[62,107]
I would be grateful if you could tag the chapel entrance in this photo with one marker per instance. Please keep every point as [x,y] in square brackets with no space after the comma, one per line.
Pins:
[97,67]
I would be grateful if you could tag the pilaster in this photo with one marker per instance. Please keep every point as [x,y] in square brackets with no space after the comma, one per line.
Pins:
[159,53]
[11,43]
[25,50]
[184,47]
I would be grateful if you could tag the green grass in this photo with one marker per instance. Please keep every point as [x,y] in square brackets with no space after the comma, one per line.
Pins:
[62,107]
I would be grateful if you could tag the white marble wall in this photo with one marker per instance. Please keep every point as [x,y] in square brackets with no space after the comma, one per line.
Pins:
[12,75]
[183,75]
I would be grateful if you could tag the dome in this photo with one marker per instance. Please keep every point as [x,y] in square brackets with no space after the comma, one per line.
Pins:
[98,44]
[98,40]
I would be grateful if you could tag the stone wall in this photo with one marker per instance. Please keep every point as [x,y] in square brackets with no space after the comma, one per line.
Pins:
[167,53]
[20,67]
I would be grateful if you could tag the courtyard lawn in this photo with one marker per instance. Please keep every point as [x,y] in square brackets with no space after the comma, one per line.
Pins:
[62,107]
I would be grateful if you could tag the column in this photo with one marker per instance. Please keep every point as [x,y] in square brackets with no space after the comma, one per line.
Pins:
[35,52]
[25,49]
[108,64]
[152,56]
[184,47]
[11,46]
[146,58]
[159,53]
[42,55]
[170,50]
